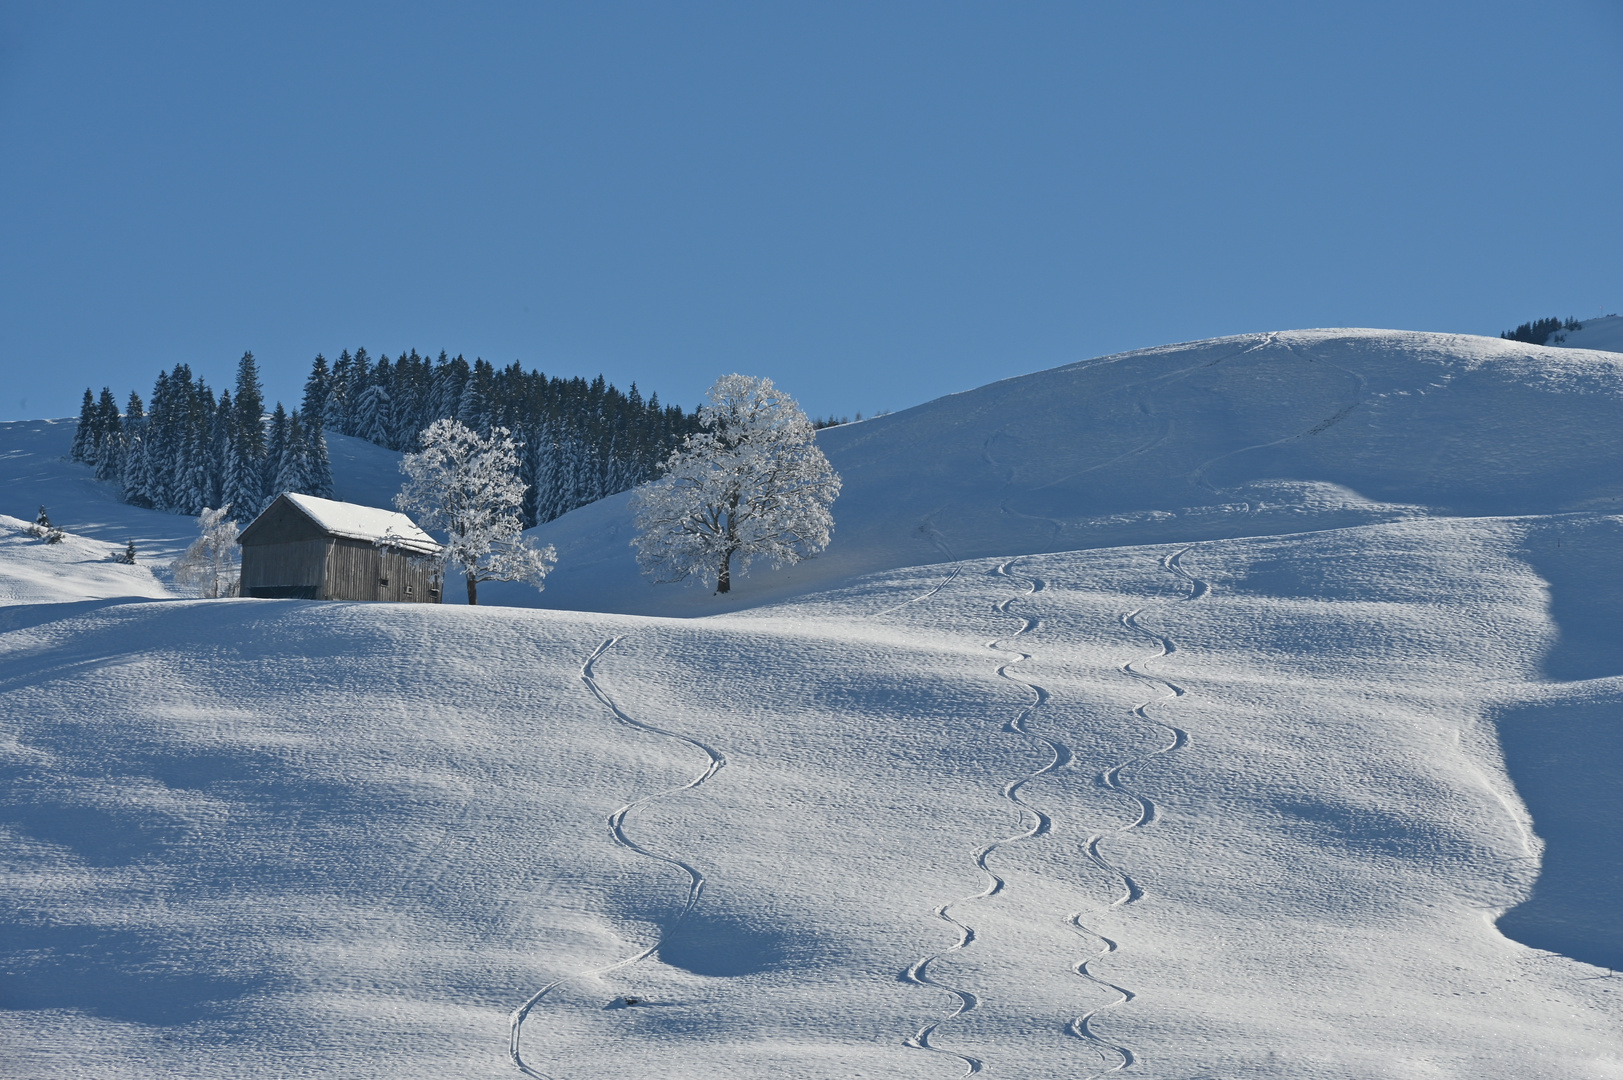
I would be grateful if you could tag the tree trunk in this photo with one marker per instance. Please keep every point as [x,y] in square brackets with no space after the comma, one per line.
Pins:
[473,589]
[724,580]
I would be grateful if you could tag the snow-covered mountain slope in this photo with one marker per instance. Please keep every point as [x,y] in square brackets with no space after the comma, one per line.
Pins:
[1252,783]
[35,471]
[1605,332]
[75,568]
[1255,435]
[1245,709]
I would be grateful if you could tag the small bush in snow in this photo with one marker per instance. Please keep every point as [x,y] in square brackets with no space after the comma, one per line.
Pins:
[43,529]
[212,564]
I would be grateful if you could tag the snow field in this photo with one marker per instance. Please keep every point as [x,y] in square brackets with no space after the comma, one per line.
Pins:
[1255,435]
[297,838]
[1213,711]
[77,568]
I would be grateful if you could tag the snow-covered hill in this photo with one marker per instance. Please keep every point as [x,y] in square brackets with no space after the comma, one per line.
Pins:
[1605,332]
[1247,436]
[1224,745]
[74,568]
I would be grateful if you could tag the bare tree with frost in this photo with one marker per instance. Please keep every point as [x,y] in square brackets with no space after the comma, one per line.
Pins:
[212,565]
[467,487]
[750,484]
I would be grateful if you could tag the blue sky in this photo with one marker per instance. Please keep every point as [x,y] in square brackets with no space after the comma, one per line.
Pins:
[872,203]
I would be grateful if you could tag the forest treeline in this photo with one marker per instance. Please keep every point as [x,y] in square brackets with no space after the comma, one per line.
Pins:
[1539,331]
[582,440]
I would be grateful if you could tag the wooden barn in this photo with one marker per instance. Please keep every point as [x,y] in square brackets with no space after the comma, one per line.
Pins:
[306,548]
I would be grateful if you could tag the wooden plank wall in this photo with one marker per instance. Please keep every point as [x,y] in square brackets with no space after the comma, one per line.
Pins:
[362,571]
[300,563]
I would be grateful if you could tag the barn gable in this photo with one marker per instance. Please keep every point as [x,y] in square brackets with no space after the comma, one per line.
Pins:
[281,522]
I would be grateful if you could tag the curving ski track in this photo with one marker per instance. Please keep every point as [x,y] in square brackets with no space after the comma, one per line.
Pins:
[952,574]
[1040,825]
[617,824]
[1198,477]
[1122,1057]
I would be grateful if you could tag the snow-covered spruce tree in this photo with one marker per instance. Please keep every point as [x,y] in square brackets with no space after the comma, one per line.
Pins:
[243,485]
[750,484]
[373,415]
[319,464]
[43,528]
[84,435]
[211,564]
[467,487]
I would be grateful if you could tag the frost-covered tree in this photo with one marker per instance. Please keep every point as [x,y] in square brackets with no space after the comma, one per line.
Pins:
[467,487]
[211,565]
[750,484]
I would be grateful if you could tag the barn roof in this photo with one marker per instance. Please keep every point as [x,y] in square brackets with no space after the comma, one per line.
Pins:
[368,523]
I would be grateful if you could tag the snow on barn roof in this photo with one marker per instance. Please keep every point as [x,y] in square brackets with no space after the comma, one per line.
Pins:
[369,523]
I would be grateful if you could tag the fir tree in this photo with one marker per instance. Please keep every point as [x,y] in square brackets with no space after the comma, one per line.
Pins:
[275,448]
[84,434]
[221,435]
[373,415]
[244,483]
[315,390]
[293,469]
[109,435]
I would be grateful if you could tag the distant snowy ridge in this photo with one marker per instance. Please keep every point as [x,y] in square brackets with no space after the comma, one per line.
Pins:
[1245,436]
[1604,332]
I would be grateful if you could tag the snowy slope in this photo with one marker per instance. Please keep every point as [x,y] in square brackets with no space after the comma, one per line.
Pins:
[1604,332]
[1150,720]
[271,837]
[1254,435]
[35,471]
[76,568]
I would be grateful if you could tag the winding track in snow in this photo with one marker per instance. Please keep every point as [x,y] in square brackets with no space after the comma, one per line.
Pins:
[1360,396]
[617,831]
[1040,825]
[1114,778]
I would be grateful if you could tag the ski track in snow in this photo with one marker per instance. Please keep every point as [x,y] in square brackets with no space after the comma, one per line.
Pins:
[617,831]
[1040,825]
[1198,477]
[1120,1056]
[617,820]
[1144,447]
[952,575]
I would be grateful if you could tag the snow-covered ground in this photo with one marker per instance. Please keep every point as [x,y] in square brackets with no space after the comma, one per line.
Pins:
[72,569]
[1604,332]
[1167,714]
[1253,435]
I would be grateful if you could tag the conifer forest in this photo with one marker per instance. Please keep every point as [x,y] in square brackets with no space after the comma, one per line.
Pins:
[185,448]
